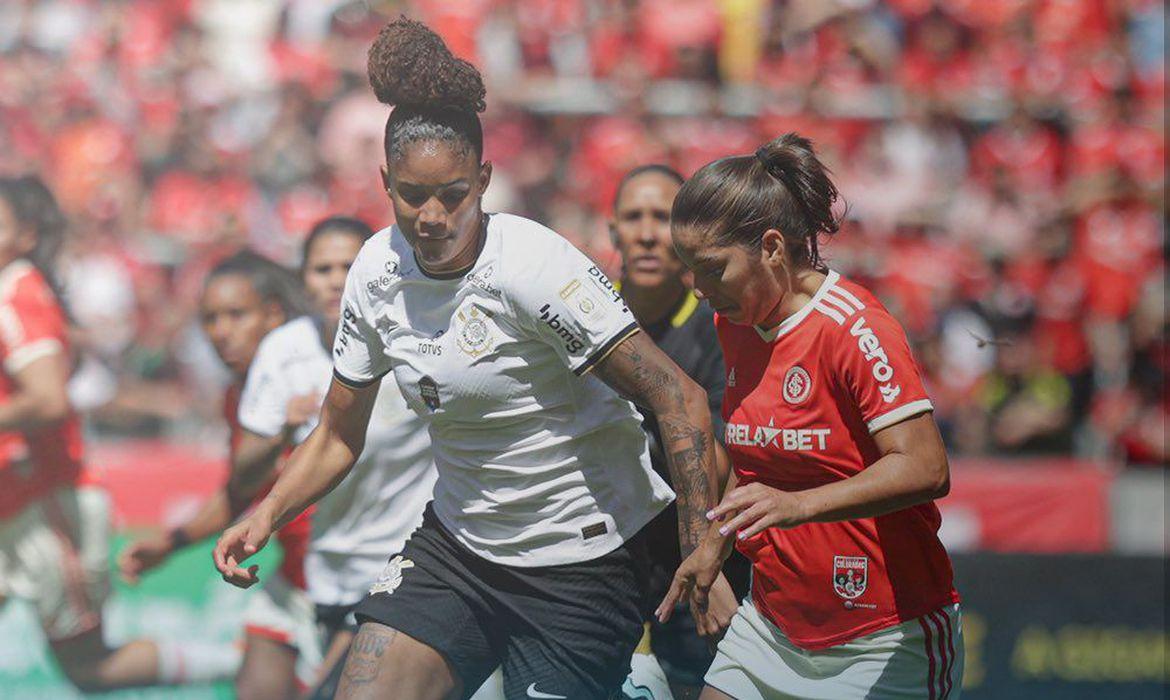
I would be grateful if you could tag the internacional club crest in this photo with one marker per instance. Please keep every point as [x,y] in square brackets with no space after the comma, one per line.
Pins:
[850,576]
[391,577]
[797,385]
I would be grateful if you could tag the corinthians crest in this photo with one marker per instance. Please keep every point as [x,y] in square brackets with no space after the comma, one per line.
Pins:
[391,577]
[850,576]
[475,336]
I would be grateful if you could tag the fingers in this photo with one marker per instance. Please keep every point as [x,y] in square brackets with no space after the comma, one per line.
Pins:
[242,578]
[749,516]
[666,608]
[755,528]
[737,499]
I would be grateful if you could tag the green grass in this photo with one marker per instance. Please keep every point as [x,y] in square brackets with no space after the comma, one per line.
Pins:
[185,599]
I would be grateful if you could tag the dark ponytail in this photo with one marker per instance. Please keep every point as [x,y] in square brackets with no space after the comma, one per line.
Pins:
[34,206]
[435,94]
[782,186]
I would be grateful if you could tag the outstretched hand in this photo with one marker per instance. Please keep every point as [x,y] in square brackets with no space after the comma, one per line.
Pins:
[702,584]
[756,508]
[239,542]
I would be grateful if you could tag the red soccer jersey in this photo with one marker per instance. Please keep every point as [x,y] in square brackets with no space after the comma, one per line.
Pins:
[801,406]
[293,537]
[33,463]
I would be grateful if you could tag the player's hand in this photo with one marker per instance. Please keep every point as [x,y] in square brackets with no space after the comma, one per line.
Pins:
[721,607]
[301,408]
[757,507]
[692,582]
[239,542]
[142,556]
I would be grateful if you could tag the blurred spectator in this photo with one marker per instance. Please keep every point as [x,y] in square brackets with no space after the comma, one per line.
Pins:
[1003,161]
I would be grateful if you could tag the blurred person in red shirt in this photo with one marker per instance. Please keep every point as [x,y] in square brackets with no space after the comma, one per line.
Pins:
[54,521]
[244,297]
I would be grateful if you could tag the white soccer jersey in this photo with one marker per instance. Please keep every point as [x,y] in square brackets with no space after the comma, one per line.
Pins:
[367,518]
[538,464]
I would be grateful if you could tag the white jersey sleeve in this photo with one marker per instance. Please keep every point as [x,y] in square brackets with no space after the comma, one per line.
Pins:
[359,356]
[264,400]
[561,297]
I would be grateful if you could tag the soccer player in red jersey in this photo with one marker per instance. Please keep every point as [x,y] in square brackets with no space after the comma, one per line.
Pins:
[837,458]
[244,298]
[54,521]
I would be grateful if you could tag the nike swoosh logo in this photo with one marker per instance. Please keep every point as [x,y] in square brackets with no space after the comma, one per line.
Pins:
[534,693]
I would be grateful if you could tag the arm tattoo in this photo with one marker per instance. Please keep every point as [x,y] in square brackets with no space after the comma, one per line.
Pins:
[365,656]
[641,372]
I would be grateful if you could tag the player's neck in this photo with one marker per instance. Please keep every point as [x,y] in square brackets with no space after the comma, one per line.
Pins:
[652,304]
[803,286]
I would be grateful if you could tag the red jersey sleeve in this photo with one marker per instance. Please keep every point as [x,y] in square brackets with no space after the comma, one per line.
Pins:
[32,325]
[877,368]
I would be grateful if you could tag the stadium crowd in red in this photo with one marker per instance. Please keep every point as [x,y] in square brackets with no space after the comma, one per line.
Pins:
[1003,161]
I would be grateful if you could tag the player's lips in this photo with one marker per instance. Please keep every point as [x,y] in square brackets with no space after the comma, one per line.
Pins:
[647,263]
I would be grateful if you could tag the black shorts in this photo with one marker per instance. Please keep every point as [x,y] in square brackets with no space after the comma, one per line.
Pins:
[682,653]
[565,630]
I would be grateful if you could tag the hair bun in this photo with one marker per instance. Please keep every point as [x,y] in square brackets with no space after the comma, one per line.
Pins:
[409,65]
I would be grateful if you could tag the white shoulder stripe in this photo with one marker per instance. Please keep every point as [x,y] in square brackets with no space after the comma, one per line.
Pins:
[849,297]
[830,312]
[839,303]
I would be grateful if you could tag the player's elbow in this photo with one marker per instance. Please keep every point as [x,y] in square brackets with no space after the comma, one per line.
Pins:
[938,477]
[52,407]
[695,400]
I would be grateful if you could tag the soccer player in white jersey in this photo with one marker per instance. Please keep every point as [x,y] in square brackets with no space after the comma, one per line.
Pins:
[514,347]
[367,518]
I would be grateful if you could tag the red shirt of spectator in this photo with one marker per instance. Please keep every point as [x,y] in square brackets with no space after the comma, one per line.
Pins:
[801,406]
[33,463]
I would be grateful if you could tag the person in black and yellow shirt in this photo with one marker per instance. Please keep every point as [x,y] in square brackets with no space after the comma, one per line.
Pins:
[653,288]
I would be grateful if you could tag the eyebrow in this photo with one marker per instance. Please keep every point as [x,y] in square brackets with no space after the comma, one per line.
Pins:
[403,183]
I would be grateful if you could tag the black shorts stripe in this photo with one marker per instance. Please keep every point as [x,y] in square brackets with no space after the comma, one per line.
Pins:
[355,384]
[604,350]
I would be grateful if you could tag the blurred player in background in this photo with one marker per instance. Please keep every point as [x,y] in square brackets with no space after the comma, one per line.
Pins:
[652,286]
[530,555]
[244,298]
[367,518]
[54,523]
[837,456]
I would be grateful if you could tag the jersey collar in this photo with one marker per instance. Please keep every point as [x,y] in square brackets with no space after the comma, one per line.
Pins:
[770,336]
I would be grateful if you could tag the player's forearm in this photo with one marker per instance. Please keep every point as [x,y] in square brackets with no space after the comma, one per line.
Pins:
[690,458]
[894,482]
[28,411]
[315,467]
[252,468]
[213,516]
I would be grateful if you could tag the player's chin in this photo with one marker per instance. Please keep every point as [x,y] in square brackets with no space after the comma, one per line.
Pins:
[731,312]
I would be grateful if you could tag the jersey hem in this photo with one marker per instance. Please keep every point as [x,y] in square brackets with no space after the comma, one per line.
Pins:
[899,414]
[357,383]
[604,351]
[877,625]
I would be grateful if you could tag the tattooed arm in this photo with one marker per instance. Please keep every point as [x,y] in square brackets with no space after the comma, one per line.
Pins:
[638,370]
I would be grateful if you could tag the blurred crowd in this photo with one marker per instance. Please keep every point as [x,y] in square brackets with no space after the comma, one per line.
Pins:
[1002,161]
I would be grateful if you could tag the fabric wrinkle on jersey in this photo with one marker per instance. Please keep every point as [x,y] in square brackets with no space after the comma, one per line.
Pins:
[530,457]
[33,463]
[807,399]
[364,520]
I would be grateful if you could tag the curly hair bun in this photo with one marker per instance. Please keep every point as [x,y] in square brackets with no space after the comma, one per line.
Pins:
[409,65]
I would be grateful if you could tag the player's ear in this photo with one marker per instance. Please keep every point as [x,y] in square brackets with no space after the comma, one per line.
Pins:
[485,176]
[772,251]
[385,171]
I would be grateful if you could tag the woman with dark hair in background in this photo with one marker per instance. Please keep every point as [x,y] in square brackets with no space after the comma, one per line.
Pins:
[367,518]
[529,557]
[54,523]
[837,459]
[653,287]
[244,298]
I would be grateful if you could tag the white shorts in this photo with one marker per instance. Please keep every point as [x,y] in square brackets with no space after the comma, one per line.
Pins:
[283,613]
[55,554]
[921,658]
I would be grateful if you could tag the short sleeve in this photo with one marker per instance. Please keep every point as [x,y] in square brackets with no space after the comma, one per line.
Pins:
[32,325]
[264,400]
[879,370]
[565,300]
[359,357]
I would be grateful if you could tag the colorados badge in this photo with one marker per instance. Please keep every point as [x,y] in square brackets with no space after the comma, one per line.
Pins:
[850,576]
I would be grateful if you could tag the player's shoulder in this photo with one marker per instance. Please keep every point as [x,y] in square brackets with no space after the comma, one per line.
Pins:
[294,337]
[21,281]
[845,307]
[384,248]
